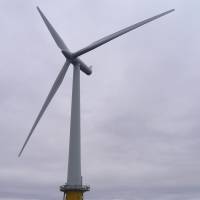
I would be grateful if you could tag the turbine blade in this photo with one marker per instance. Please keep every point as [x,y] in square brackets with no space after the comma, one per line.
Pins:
[108,38]
[51,94]
[60,43]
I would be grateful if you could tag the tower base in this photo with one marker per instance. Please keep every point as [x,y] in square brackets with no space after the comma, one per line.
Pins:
[74,192]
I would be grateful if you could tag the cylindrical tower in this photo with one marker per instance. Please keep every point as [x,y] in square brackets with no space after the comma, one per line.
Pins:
[73,189]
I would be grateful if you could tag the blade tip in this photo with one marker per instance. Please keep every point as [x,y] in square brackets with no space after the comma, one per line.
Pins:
[171,10]
[20,153]
[38,9]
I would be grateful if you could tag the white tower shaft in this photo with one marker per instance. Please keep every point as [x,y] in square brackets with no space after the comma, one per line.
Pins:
[74,162]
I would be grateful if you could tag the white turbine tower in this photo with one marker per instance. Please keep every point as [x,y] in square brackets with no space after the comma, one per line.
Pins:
[73,189]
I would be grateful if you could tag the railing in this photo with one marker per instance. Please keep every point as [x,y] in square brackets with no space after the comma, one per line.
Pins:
[83,188]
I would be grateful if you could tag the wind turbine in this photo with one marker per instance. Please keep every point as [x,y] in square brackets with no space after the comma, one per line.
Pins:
[73,189]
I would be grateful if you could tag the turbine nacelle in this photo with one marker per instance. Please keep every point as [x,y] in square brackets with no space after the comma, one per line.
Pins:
[74,60]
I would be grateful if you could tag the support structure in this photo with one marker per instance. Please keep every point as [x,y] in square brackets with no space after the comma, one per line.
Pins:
[73,189]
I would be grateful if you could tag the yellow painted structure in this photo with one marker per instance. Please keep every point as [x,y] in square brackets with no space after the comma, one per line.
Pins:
[74,192]
[74,195]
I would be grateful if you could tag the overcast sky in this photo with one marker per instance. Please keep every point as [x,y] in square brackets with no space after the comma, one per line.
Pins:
[140,107]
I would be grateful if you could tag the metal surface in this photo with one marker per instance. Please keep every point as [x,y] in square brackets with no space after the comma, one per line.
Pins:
[66,188]
[84,68]
[74,162]
[74,195]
